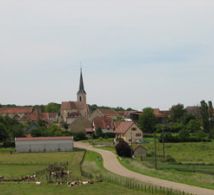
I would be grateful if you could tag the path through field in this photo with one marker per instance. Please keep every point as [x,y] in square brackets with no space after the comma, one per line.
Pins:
[112,164]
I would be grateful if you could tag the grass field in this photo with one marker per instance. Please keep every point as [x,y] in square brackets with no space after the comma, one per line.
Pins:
[198,152]
[194,162]
[22,164]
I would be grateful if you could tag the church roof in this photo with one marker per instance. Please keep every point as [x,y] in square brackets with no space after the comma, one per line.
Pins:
[81,84]
[68,106]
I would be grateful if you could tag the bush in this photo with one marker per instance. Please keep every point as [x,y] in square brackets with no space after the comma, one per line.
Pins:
[108,135]
[8,144]
[184,136]
[79,136]
[123,149]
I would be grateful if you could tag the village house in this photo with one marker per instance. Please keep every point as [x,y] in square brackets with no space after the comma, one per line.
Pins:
[161,115]
[44,144]
[105,123]
[28,114]
[104,112]
[72,110]
[129,131]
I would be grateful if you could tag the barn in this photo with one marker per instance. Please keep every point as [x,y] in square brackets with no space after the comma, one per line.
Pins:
[44,144]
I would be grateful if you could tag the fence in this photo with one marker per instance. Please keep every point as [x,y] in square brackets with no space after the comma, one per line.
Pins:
[129,183]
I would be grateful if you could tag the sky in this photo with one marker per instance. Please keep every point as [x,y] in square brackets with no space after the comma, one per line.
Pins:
[134,53]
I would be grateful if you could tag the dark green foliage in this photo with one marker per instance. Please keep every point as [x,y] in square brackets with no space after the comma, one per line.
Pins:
[184,136]
[205,116]
[53,130]
[52,107]
[193,125]
[9,129]
[147,120]
[177,113]
[79,136]
[94,107]
[99,132]
[123,149]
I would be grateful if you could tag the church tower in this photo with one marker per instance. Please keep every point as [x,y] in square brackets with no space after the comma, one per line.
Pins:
[81,94]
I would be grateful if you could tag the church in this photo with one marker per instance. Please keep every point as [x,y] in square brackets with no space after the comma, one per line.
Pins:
[72,110]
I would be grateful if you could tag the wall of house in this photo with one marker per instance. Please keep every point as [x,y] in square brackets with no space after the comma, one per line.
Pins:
[44,146]
[134,134]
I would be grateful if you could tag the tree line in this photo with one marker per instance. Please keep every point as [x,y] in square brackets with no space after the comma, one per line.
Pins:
[181,125]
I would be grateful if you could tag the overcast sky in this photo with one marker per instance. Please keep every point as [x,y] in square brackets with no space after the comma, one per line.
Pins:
[134,53]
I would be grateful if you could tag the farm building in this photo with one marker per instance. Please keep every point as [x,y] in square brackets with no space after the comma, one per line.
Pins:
[44,144]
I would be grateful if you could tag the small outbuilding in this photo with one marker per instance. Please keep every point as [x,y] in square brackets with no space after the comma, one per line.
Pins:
[140,151]
[44,144]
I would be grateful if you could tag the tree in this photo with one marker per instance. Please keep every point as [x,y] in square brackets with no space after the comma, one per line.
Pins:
[3,132]
[99,132]
[205,116]
[52,107]
[148,120]
[211,119]
[193,125]
[123,149]
[177,113]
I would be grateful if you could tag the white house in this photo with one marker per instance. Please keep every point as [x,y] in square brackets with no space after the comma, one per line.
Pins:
[44,144]
[128,131]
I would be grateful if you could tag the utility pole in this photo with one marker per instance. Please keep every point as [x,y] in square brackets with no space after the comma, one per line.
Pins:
[155,151]
[163,142]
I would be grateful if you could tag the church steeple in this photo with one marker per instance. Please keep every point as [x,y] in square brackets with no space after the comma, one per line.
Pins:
[81,94]
[81,84]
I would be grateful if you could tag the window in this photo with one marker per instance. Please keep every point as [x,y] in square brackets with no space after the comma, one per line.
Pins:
[138,134]
[80,98]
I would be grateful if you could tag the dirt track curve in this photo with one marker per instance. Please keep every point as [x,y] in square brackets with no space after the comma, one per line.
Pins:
[112,164]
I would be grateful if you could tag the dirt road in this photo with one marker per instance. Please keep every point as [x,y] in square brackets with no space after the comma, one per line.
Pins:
[112,164]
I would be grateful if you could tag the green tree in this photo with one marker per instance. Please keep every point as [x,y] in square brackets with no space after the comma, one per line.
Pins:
[148,120]
[99,132]
[205,116]
[3,132]
[52,107]
[177,113]
[193,125]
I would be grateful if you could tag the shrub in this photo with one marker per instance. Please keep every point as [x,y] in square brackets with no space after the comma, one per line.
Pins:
[8,144]
[123,149]
[79,136]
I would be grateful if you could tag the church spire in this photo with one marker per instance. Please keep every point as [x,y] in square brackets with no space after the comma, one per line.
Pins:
[81,84]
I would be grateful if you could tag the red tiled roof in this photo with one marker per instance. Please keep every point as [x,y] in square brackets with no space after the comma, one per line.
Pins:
[103,122]
[16,110]
[42,138]
[160,114]
[123,127]
[108,112]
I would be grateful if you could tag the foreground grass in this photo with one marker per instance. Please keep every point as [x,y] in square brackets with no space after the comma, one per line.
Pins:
[102,188]
[21,164]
